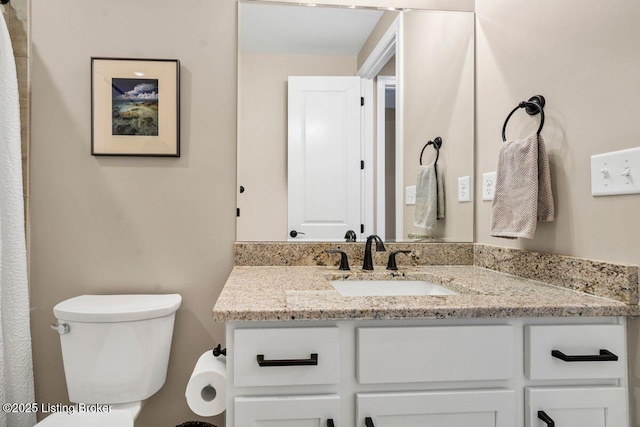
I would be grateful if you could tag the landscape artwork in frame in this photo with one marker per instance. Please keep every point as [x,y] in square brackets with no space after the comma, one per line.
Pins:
[135,107]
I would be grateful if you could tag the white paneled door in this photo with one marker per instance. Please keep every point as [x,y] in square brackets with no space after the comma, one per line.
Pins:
[324,157]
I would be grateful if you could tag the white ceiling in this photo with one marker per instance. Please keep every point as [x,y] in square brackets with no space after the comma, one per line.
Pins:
[302,29]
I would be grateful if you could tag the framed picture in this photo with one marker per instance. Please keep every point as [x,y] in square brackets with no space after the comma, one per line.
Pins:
[135,107]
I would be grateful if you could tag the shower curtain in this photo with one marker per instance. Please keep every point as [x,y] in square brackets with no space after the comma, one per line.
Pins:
[16,366]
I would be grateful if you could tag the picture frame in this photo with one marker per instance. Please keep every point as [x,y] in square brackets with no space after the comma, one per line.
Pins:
[135,107]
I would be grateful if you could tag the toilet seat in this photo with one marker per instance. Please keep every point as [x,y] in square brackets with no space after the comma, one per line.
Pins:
[115,418]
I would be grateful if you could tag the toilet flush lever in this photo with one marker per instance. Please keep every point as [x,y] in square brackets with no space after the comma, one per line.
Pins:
[61,328]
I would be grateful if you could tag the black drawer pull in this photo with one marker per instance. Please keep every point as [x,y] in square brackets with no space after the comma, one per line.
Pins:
[546,418]
[330,423]
[604,356]
[368,422]
[312,360]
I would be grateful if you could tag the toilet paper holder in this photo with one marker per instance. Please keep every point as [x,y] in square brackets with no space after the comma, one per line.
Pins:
[219,351]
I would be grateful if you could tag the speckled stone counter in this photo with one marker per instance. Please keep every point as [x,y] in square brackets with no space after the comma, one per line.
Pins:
[263,293]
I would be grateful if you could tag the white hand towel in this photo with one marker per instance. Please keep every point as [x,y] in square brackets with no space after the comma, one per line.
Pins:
[523,189]
[16,372]
[429,197]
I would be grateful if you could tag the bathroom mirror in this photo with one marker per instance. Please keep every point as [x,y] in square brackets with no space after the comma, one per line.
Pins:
[312,161]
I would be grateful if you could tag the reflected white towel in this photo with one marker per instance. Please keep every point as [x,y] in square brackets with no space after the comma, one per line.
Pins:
[16,372]
[523,189]
[429,197]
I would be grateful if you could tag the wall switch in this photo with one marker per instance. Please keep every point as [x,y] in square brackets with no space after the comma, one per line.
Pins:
[488,185]
[617,172]
[464,189]
[410,195]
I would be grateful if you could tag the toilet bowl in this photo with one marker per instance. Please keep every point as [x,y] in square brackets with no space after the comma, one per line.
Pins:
[115,350]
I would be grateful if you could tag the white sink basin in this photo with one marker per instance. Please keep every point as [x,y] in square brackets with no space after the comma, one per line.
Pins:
[363,288]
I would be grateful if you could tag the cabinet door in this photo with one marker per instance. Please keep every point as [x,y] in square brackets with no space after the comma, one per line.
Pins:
[478,408]
[287,411]
[576,406]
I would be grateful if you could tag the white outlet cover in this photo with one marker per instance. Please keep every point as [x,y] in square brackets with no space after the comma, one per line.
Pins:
[410,195]
[488,185]
[464,189]
[617,172]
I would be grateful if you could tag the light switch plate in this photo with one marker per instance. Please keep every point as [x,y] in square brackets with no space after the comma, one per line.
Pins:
[617,172]
[464,189]
[488,185]
[410,195]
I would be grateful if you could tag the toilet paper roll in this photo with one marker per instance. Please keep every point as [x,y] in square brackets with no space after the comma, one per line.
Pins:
[207,388]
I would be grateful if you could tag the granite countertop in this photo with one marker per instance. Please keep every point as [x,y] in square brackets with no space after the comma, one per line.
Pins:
[267,293]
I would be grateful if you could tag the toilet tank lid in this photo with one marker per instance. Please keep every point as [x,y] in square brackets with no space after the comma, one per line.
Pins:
[116,308]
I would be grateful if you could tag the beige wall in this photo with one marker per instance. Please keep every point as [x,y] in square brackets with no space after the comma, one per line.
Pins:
[582,55]
[390,68]
[438,101]
[262,136]
[108,225]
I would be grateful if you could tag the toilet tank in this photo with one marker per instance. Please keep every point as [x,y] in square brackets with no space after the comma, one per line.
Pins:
[117,347]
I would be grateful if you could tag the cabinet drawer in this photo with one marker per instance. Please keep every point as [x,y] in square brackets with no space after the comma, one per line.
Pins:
[278,411]
[576,406]
[286,356]
[570,342]
[444,353]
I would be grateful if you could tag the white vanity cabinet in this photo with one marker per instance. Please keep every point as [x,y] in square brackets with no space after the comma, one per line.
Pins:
[440,373]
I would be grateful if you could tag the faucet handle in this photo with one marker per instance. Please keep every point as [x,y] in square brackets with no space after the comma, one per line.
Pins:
[391,265]
[344,262]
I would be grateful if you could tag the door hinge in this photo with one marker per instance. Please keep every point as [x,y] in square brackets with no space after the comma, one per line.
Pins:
[361,228]
[361,164]
[362,100]
[237,211]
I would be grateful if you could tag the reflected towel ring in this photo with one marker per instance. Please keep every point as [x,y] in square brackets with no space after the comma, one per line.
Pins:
[533,106]
[437,143]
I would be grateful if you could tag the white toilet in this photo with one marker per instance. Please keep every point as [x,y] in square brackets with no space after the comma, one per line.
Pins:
[115,350]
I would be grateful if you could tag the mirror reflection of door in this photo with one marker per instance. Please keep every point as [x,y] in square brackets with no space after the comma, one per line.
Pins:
[324,153]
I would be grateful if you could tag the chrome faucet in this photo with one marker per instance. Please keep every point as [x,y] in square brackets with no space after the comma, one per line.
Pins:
[368,259]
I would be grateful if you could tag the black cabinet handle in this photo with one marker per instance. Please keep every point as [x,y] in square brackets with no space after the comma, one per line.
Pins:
[546,418]
[368,422]
[312,360]
[604,356]
[295,233]
[330,423]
